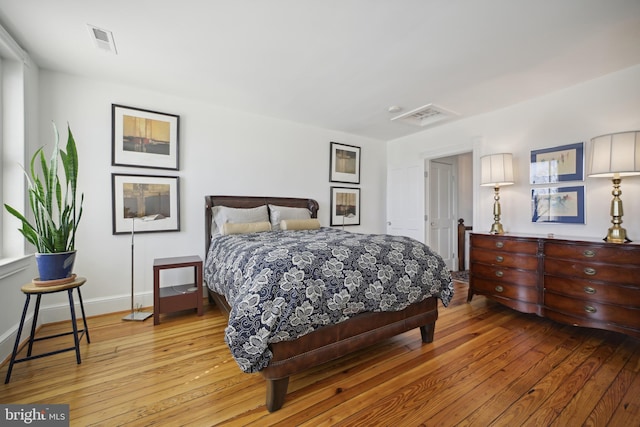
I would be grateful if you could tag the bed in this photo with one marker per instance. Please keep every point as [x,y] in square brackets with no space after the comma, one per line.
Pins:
[274,278]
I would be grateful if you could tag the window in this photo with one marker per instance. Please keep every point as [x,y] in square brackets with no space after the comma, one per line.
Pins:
[15,83]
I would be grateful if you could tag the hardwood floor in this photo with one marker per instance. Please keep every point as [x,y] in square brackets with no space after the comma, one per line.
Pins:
[488,366]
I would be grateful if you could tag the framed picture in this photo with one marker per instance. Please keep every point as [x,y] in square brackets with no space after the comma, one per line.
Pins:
[559,204]
[557,164]
[145,203]
[345,206]
[144,138]
[345,163]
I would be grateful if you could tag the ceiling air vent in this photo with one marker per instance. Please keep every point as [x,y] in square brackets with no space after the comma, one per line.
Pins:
[103,39]
[426,115]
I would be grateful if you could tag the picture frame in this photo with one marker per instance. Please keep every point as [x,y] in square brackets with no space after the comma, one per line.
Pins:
[145,203]
[144,138]
[557,164]
[345,206]
[563,205]
[344,163]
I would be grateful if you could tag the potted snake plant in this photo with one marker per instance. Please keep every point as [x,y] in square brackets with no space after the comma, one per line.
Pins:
[52,200]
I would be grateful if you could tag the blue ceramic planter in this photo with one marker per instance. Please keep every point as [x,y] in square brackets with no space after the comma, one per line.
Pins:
[55,266]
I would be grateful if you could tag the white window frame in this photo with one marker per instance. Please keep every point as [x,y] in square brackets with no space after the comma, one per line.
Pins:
[16,84]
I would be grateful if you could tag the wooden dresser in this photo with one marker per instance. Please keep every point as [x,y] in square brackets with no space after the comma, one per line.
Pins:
[579,282]
[506,270]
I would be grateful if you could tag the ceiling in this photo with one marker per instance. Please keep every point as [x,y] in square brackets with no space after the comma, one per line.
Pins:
[336,64]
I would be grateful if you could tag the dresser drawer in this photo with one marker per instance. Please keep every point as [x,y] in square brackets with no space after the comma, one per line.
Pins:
[626,316]
[504,259]
[502,243]
[511,275]
[607,254]
[593,291]
[590,323]
[505,290]
[593,271]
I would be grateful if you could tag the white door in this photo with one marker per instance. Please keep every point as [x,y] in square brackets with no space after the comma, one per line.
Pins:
[441,210]
[404,213]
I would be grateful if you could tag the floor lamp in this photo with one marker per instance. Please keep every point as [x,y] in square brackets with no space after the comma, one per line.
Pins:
[135,315]
[350,215]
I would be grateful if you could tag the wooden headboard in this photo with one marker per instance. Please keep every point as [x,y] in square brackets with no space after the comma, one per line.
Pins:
[250,202]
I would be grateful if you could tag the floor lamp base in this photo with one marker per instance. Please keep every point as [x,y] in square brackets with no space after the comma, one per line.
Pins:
[137,315]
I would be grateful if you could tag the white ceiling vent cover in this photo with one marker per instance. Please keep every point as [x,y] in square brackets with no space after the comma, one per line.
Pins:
[103,39]
[426,115]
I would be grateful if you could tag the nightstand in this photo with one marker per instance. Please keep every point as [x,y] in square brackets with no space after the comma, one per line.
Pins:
[169,299]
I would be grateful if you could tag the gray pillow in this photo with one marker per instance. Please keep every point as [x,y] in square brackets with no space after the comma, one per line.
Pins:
[224,214]
[279,213]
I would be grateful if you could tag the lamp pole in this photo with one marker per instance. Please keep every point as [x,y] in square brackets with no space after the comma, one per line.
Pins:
[134,315]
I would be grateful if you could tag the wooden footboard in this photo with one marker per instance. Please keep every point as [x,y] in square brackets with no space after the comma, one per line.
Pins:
[332,342]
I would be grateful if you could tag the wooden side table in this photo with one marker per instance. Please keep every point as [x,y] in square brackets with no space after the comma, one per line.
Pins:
[169,299]
[32,289]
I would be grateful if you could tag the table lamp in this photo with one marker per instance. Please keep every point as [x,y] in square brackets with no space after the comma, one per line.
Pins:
[496,171]
[613,156]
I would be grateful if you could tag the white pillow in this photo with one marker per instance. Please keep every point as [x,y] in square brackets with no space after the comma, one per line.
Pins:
[279,213]
[245,227]
[223,214]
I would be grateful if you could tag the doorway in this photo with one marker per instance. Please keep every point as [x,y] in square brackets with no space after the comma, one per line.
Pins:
[449,197]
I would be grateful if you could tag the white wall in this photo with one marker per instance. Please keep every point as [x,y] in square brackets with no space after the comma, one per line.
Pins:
[604,105]
[221,152]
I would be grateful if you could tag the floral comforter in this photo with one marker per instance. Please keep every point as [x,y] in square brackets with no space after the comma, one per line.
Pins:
[282,285]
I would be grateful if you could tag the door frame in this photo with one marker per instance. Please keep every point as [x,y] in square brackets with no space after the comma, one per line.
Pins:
[472,146]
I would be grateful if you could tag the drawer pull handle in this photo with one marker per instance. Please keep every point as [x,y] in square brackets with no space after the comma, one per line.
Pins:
[499,244]
[589,253]
[589,290]
[499,288]
[590,309]
[590,271]
[499,273]
[499,258]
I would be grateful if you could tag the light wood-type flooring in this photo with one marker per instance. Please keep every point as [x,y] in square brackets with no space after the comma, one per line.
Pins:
[488,366]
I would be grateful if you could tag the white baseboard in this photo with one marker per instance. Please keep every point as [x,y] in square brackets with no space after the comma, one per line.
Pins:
[8,338]
[94,307]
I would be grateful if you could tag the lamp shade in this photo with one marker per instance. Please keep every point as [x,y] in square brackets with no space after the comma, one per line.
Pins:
[615,154]
[496,170]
